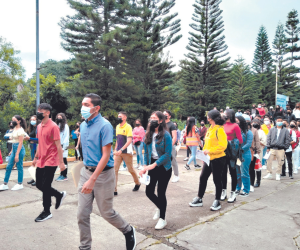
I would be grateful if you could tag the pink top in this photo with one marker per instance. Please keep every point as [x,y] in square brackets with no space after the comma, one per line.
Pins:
[261,111]
[233,131]
[138,134]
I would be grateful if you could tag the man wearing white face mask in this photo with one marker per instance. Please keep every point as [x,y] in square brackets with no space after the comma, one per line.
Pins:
[97,178]
[278,141]
[261,110]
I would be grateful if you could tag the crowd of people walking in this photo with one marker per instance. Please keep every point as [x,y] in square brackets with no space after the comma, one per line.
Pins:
[241,143]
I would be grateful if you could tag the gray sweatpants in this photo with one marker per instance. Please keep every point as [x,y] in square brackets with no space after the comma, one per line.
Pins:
[174,162]
[103,193]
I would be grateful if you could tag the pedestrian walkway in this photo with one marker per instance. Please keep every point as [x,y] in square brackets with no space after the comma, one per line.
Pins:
[268,219]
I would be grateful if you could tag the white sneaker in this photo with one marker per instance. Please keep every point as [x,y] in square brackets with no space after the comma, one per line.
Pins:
[277,177]
[136,166]
[232,197]
[264,167]
[122,169]
[268,176]
[296,171]
[17,187]
[175,178]
[161,224]
[157,214]
[140,168]
[224,194]
[186,159]
[3,187]
[251,189]
[298,167]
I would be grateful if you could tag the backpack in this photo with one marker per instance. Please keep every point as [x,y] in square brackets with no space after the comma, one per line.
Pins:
[294,145]
[1,159]
[228,150]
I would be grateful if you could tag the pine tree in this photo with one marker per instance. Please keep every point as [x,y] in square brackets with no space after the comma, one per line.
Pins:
[293,32]
[243,88]
[206,73]
[287,78]
[262,66]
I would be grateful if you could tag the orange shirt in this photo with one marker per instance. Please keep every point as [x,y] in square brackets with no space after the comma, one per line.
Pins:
[47,134]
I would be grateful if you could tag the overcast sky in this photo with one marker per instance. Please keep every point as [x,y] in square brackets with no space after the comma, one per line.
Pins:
[242,19]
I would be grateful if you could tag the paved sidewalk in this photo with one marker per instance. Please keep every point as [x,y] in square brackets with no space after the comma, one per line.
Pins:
[268,219]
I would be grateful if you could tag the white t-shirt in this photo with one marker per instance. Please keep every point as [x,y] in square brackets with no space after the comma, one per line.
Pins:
[296,112]
[16,133]
[278,132]
[154,154]
[294,138]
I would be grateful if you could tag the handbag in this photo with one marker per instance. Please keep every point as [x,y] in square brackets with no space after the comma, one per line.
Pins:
[138,143]
[258,165]
[231,155]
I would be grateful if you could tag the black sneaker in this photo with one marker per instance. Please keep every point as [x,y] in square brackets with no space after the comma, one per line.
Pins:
[30,182]
[291,176]
[237,192]
[43,216]
[282,175]
[60,200]
[136,188]
[197,166]
[244,194]
[33,184]
[216,206]
[130,239]
[197,202]
[115,193]
[187,167]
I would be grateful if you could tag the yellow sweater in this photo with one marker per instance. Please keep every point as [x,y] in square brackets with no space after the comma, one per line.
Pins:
[216,146]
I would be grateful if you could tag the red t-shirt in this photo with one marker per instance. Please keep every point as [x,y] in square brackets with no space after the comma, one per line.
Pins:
[47,134]
[233,131]
[261,111]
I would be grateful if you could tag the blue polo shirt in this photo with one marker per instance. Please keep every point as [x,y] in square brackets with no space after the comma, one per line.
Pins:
[94,135]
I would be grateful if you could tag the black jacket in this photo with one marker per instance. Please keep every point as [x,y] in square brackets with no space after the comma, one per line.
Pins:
[283,141]
[290,117]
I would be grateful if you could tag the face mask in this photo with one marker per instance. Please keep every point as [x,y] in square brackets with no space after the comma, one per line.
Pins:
[86,112]
[58,120]
[82,120]
[259,106]
[153,124]
[292,126]
[202,124]
[137,124]
[120,120]
[297,107]
[33,123]
[13,124]
[284,125]
[77,126]
[279,124]
[299,125]
[267,122]
[166,117]
[255,125]
[40,115]
[289,112]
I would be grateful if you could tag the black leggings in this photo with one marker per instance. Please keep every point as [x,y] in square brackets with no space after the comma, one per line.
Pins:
[252,171]
[161,176]
[232,172]
[65,172]
[215,167]
[188,152]
[76,156]
[288,156]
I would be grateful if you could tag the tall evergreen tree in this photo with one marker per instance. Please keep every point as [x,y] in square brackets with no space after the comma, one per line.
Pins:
[293,33]
[207,70]
[262,66]
[242,85]
[287,78]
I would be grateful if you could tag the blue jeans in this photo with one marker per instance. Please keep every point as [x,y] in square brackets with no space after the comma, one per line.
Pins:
[19,164]
[193,157]
[243,173]
[32,150]
[264,160]
[139,153]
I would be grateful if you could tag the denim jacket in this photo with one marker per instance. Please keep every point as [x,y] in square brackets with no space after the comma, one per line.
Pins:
[164,151]
[247,141]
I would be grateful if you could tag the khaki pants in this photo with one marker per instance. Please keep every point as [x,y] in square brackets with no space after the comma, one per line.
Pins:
[279,155]
[104,194]
[128,158]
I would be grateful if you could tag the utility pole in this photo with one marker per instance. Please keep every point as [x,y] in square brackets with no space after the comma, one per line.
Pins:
[276,86]
[37,57]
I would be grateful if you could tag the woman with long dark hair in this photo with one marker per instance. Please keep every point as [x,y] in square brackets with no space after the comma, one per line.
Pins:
[234,137]
[157,158]
[32,131]
[61,121]
[215,146]
[192,141]
[17,153]
[245,158]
